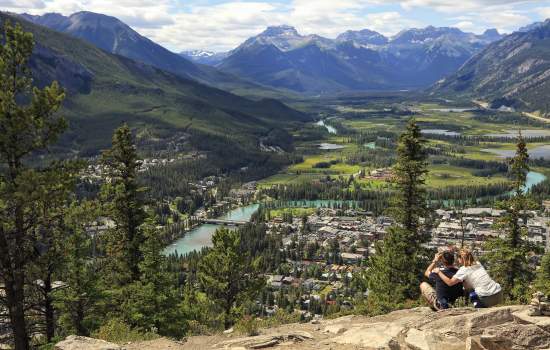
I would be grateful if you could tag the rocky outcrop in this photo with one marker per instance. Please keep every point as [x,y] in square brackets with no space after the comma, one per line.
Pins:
[500,328]
[540,305]
[74,342]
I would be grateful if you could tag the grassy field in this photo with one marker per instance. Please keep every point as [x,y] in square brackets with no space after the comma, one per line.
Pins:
[429,116]
[296,212]
[446,175]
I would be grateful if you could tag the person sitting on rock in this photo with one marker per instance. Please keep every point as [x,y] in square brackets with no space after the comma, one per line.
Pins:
[485,291]
[443,296]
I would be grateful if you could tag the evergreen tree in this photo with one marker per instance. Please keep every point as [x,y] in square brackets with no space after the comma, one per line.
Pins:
[124,204]
[408,204]
[507,256]
[28,123]
[542,282]
[151,303]
[396,268]
[226,275]
[78,303]
[50,237]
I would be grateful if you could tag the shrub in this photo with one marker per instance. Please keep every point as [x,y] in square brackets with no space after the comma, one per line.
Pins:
[116,331]
[247,325]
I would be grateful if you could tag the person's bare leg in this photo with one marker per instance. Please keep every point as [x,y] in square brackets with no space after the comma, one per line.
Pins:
[429,294]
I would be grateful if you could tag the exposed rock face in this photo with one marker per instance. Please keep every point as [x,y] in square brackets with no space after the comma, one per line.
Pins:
[74,342]
[501,328]
[507,327]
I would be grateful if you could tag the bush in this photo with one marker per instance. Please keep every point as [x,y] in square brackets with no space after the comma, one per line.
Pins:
[281,317]
[247,325]
[116,331]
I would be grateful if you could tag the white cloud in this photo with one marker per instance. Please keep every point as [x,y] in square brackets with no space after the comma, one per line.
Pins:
[466,26]
[141,14]
[543,12]
[18,5]
[454,6]
[198,24]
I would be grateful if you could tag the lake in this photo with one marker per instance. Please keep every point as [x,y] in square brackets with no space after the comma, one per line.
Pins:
[440,132]
[534,153]
[330,146]
[330,129]
[533,178]
[201,236]
[453,110]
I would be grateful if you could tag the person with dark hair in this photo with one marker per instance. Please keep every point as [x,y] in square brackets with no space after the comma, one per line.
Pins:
[443,296]
[485,292]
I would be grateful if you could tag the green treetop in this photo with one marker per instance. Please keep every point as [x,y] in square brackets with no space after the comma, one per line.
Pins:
[507,256]
[396,267]
[28,123]
[226,275]
[124,204]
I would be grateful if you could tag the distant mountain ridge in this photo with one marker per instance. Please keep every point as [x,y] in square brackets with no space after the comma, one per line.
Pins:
[514,71]
[104,90]
[114,36]
[355,60]
[204,57]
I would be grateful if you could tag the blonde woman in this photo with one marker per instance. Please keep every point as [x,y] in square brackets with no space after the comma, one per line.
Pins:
[486,292]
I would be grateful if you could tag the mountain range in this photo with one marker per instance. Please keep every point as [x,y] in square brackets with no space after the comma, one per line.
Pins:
[514,71]
[281,58]
[104,90]
[112,35]
[510,69]
[356,60]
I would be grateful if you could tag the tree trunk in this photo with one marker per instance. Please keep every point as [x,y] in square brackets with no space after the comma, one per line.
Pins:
[79,320]
[14,283]
[48,308]
[15,300]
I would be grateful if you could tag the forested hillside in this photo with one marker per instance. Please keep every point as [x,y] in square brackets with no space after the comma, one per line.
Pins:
[514,71]
[104,90]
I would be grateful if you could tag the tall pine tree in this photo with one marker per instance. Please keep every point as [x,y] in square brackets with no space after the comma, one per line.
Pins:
[152,302]
[395,269]
[78,302]
[226,275]
[28,123]
[507,257]
[123,198]
[542,282]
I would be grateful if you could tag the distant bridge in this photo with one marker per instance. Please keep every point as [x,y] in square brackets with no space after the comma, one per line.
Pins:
[224,222]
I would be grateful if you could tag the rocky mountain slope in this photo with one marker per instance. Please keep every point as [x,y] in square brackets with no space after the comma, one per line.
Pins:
[355,60]
[514,71]
[501,328]
[105,89]
[112,35]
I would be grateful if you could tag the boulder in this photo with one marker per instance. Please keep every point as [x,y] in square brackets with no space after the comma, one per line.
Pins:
[375,335]
[524,316]
[74,342]
[335,329]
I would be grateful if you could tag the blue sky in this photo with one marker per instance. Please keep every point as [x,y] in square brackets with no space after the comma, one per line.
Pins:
[221,25]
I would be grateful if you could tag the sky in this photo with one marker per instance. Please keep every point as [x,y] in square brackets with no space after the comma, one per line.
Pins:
[221,25]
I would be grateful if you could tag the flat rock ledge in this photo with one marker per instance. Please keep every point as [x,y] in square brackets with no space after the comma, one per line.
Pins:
[500,328]
[74,342]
